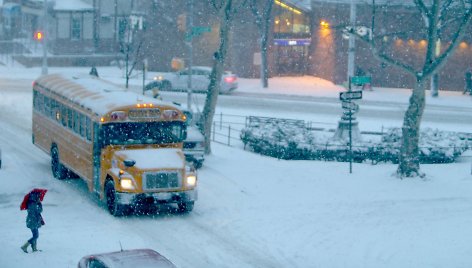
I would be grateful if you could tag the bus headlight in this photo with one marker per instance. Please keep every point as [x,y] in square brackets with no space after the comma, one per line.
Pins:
[191,180]
[126,183]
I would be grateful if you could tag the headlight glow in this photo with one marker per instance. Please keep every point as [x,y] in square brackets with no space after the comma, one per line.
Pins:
[191,180]
[126,183]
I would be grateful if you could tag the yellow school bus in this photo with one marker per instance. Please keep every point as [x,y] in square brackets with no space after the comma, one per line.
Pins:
[127,147]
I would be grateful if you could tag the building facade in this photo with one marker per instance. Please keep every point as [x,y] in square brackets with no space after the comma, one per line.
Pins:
[403,38]
[305,37]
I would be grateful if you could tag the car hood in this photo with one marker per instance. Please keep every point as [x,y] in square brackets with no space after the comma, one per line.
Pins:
[193,134]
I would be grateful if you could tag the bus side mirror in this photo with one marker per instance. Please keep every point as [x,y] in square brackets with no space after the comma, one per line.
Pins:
[129,162]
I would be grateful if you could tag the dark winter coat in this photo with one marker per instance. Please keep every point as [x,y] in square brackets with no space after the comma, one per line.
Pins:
[468,81]
[33,220]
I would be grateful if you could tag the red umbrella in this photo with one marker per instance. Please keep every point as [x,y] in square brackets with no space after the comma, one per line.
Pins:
[41,192]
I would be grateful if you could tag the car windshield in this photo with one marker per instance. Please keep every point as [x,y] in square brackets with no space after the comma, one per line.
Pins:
[143,133]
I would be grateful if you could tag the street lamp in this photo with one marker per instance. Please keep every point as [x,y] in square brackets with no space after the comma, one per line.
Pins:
[44,38]
[352,43]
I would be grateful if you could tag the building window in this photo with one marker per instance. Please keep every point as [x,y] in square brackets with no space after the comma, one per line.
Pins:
[290,21]
[76,28]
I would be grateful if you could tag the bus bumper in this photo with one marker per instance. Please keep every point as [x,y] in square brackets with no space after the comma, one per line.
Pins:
[156,198]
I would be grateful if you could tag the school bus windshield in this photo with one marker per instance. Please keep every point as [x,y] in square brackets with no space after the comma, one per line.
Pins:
[142,133]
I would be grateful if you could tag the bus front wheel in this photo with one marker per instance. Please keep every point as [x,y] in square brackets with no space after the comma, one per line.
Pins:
[185,206]
[57,168]
[114,208]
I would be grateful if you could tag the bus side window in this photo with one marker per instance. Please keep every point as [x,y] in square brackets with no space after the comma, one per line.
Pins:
[82,125]
[57,111]
[76,122]
[35,100]
[70,118]
[64,115]
[88,129]
[52,109]
[47,106]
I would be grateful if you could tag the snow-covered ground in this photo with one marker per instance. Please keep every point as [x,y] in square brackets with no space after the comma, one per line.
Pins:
[253,211]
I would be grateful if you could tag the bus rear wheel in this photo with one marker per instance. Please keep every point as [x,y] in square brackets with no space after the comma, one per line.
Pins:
[114,208]
[58,170]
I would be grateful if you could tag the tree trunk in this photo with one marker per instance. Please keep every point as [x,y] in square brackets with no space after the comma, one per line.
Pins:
[409,165]
[264,29]
[215,76]
[264,67]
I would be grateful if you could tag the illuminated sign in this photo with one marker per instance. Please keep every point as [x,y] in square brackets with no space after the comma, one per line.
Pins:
[292,42]
[144,113]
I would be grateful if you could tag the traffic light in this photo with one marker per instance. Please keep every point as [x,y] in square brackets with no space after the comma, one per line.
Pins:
[38,35]
[182,22]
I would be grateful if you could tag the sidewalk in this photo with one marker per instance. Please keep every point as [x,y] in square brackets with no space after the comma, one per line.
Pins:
[295,86]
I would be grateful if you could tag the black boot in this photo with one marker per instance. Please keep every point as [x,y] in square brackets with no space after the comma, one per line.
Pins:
[25,247]
[33,246]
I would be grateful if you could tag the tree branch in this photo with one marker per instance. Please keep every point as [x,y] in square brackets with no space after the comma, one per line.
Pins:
[441,60]
[382,56]
[422,7]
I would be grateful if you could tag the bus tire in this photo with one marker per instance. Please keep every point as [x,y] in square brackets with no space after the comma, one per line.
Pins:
[58,170]
[113,207]
[186,206]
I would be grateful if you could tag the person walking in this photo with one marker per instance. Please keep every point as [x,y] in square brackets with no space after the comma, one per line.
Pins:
[93,71]
[34,220]
[468,83]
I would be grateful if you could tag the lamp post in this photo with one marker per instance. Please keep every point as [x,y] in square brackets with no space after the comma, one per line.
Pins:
[352,42]
[190,56]
[44,69]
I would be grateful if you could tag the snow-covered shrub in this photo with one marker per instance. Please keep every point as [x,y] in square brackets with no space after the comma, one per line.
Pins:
[435,146]
[280,138]
[291,139]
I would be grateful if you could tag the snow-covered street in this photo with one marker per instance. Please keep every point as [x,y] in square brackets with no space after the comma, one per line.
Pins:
[253,211]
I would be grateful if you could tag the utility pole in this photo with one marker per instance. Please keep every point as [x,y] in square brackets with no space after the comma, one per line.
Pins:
[44,69]
[352,42]
[435,77]
[190,55]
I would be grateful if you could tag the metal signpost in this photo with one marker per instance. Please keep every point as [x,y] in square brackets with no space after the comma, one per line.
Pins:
[350,107]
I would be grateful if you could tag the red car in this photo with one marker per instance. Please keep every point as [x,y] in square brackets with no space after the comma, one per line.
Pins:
[134,258]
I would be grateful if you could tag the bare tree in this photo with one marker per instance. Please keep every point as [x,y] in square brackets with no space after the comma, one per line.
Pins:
[226,10]
[262,11]
[132,47]
[449,17]
[132,43]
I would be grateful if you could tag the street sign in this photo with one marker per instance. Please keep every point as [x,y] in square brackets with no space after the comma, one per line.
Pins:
[350,95]
[197,31]
[361,80]
[351,106]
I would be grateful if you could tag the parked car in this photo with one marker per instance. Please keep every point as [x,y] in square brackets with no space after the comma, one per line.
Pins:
[194,144]
[141,258]
[200,80]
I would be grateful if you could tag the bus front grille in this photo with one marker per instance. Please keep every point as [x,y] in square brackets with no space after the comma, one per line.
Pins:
[162,180]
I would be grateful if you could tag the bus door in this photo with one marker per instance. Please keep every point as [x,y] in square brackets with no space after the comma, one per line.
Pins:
[97,148]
